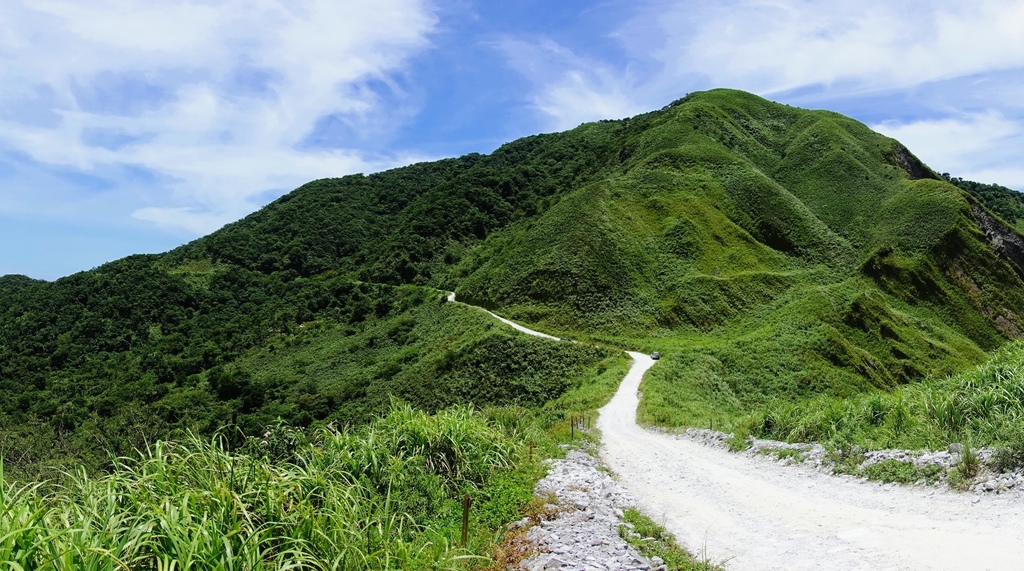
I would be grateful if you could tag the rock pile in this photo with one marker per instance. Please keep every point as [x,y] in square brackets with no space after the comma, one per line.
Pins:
[583,534]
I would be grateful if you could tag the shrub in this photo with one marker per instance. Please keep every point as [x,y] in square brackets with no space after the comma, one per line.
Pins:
[892,471]
[969,463]
[740,439]
[1010,456]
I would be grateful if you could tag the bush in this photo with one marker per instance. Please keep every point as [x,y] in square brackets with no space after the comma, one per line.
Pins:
[969,464]
[739,440]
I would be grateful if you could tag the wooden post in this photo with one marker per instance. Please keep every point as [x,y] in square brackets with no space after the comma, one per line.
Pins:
[466,501]
[572,427]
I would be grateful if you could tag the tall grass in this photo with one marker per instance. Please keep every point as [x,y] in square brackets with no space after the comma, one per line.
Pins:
[379,497]
[984,405]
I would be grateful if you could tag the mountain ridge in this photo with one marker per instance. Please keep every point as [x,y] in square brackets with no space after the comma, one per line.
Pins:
[771,252]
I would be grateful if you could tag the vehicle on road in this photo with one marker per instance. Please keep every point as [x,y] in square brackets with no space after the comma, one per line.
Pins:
[655,355]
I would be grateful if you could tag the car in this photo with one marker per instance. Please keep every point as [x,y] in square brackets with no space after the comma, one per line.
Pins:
[563,339]
[655,355]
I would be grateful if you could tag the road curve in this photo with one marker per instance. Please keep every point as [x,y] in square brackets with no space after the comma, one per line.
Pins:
[754,514]
[516,326]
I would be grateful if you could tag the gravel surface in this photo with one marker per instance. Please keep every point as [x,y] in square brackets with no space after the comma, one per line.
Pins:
[751,512]
[583,532]
[748,512]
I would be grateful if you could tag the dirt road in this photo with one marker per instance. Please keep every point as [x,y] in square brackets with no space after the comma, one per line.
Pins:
[752,513]
[755,514]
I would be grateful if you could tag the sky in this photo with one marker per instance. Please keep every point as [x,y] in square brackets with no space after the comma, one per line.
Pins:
[134,126]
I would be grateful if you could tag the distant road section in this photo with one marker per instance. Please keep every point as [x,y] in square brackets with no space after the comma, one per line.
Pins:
[451,297]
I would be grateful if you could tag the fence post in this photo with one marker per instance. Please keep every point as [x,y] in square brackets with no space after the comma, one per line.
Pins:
[466,501]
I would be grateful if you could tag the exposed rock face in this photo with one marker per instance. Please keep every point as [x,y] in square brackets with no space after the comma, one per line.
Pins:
[906,160]
[1006,242]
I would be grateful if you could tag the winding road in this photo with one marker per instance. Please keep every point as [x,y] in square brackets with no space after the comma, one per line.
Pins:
[754,514]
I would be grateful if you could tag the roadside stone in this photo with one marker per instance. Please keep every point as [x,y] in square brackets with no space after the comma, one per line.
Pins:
[815,457]
[584,533]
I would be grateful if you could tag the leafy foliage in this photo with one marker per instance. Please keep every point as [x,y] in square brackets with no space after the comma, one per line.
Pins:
[1007,203]
[244,352]
[383,496]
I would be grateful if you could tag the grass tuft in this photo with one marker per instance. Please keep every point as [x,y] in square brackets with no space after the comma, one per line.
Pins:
[651,540]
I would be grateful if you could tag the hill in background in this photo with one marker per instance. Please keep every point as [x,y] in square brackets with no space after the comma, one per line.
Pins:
[771,252]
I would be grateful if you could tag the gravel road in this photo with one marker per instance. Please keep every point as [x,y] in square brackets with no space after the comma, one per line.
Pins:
[512,324]
[755,514]
[752,513]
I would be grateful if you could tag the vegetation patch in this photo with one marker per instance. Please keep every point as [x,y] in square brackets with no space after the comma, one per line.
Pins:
[739,440]
[893,471]
[384,496]
[651,540]
[794,454]
[982,405]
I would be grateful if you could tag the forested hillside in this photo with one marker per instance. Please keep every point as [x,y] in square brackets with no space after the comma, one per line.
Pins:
[769,251]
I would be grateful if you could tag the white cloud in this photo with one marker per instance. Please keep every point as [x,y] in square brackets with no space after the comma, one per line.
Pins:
[952,145]
[773,46]
[769,46]
[942,58]
[982,147]
[572,90]
[217,98]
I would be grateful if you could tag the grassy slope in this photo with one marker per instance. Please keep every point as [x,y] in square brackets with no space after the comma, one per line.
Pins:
[772,252]
[981,405]
[435,355]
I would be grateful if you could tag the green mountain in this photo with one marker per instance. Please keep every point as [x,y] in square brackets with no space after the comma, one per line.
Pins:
[771,252]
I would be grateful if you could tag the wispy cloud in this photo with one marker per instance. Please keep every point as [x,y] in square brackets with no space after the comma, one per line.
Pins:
[217,101]
[810,53]
[977,147]
[771,46]
[570,89]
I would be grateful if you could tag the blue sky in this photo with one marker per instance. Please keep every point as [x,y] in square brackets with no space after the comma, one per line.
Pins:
[131,126]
